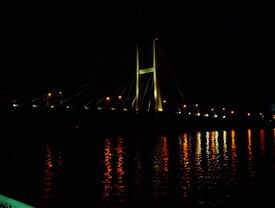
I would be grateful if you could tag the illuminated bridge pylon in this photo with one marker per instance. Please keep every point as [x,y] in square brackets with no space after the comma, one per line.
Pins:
[140,72]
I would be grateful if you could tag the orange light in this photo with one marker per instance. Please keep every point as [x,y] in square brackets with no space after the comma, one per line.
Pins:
[197,105]
[49,94]
[232,112]
[164,101]
[273,116]
[107,98]
[184,106]
[120,97]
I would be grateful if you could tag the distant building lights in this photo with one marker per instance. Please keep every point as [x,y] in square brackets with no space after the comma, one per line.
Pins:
[60,93]
[49,94]
[184,106]
[52,106]
[232,112]
[189,113]
[198,114]
[107,98]
[197,105]
[215,116]
[212,109]
[206,115]
[34,106]
[86,107]
[119,97]
[273,116]
[223,116]
[248,114]
[223,109]
[164,101]
[67,106]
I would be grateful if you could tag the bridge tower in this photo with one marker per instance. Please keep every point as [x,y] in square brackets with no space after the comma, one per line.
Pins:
[153,70]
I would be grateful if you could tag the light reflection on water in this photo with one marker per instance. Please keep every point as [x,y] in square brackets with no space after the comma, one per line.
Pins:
[113,181]
[191,169]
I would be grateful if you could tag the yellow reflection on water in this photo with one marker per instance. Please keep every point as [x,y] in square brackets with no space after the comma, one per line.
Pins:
[225,147]
[207,136]
[213,144]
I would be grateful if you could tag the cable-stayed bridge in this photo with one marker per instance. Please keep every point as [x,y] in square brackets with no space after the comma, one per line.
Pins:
[140,80]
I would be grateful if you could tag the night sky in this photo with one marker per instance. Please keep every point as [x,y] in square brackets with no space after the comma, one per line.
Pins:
[218,54]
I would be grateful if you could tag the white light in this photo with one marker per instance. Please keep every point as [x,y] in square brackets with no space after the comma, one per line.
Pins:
[99,108]
[197,114]
[15,105]
[67,106]
[178,112]
[215,116]
[223,116]
[34,106]
[189,113]
[125,109]
[113,109]
[86,107]
[206,115]
[52,106]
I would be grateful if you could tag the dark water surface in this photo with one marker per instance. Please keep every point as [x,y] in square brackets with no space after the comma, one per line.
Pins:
[77,167]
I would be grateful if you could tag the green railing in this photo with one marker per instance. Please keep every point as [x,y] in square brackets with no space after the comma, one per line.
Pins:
[6,202]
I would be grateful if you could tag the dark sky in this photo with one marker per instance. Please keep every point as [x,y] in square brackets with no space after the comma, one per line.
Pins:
[218,54]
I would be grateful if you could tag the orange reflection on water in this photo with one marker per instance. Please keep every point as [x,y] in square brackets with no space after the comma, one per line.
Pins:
[48,174]
[251,171]
[262,139]
[164,154]
[234,152]
[107,187]
[249,144]
[120,167]
[185,149]
[185,169]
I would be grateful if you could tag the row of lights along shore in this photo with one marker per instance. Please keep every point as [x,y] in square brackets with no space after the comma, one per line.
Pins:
[185,108]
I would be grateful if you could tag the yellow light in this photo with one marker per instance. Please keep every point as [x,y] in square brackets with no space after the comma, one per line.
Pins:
[60,93]
[49,94]
[232,112]
[164,101]
[273,116]
[120,97]
[107,98]
[248,114]
[184,106]
[212,109]
[197,105]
